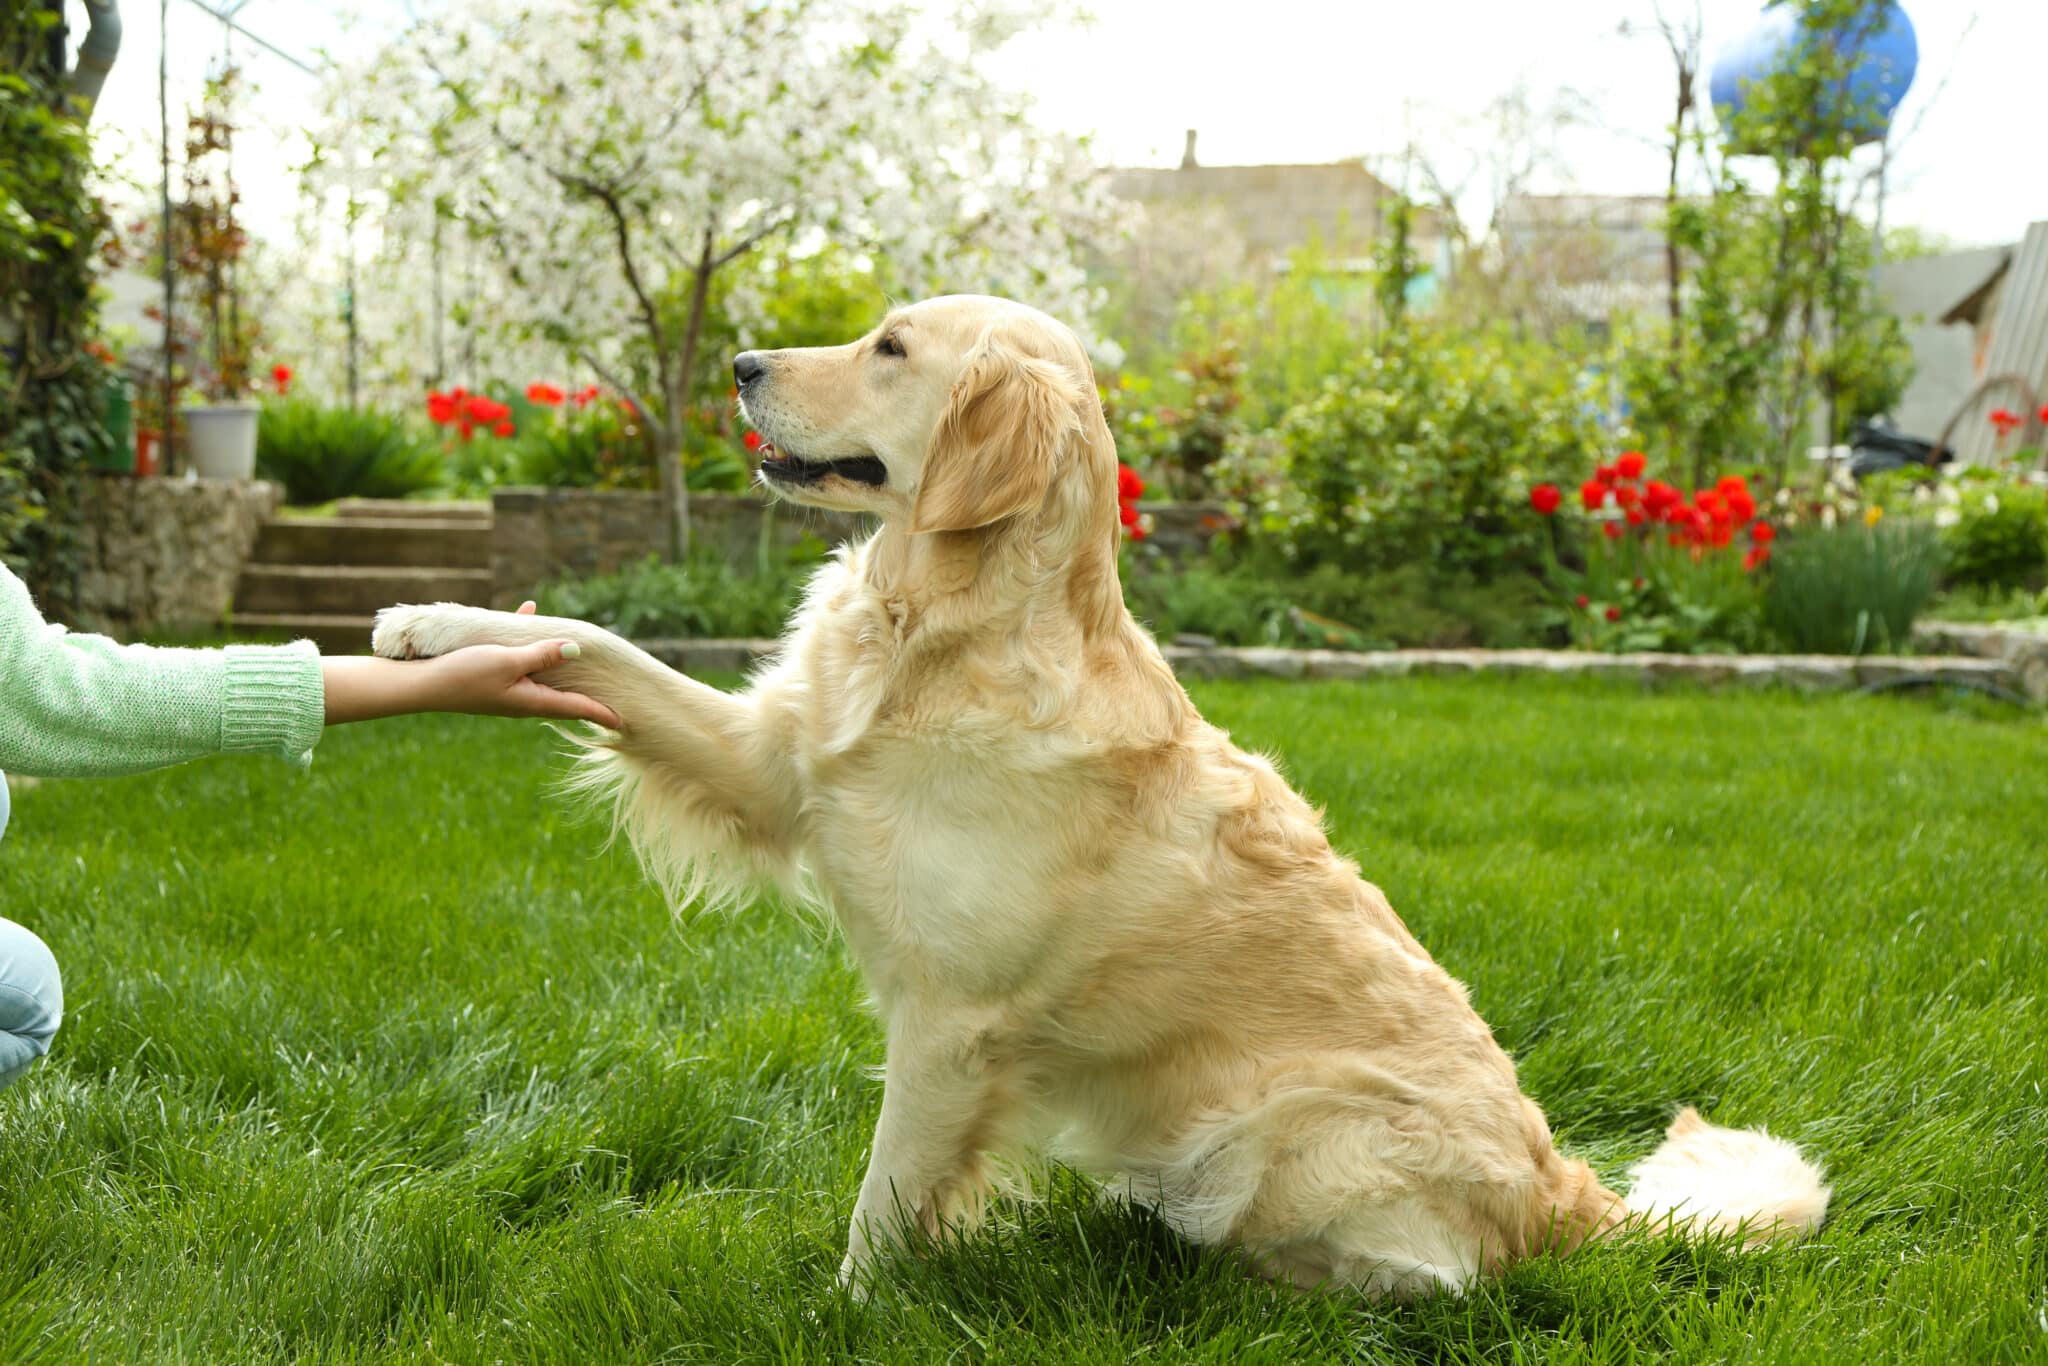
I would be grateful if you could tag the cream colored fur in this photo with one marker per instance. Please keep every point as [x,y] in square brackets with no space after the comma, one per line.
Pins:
[1093,927]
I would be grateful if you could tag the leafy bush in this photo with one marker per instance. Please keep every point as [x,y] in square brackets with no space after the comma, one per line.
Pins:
[52,391]
[1989,605]
[1264,601]
[1180,443]
[2000,537]
[1852,589]
[707,599]
[319,453]
[1422,453]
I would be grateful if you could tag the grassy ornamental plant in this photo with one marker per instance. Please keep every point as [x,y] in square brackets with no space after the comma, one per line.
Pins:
[319,453]
[1853,588]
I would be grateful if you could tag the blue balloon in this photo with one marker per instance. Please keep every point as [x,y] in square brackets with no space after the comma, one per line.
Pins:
[1885,61]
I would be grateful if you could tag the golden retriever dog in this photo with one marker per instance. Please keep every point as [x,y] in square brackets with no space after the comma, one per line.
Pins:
[1094,929]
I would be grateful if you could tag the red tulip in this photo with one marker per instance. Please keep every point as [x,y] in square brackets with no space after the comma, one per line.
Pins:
[484,411]
[1742,505]
[1614,614]
[2005,419]
[440,408]
[1545,498]
[1593,493]
[1606,474]
[1581,602]
[1659,496]
[1128,484]
[1757,555]
[281,376]
[1630,464]
[2044,412]
[1731,484]
[1763,533]
[752,441]
[1611,530]
[585,394]
[503,428]
[546,395]
[1127,514]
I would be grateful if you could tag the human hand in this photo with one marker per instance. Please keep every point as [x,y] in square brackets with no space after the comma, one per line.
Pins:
[484,680]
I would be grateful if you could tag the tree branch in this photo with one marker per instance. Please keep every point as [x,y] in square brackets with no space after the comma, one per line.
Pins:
[624,389]
[779,220]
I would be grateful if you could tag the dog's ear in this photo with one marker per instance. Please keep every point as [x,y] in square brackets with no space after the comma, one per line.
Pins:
[994,451]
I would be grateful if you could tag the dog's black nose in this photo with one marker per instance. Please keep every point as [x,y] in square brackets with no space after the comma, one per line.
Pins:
[747,367]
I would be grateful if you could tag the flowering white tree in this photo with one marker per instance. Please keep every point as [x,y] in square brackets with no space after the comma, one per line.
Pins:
[614,156]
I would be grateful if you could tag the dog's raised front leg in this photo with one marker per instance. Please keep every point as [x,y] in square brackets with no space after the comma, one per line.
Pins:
[702,781]
[944,1096]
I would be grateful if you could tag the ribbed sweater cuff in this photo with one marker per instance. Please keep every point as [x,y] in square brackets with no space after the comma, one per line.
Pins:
[275,701]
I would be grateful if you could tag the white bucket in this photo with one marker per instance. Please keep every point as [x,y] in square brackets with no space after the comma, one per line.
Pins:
[221,441]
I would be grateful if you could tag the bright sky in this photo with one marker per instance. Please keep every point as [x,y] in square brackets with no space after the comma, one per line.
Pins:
[1308,81]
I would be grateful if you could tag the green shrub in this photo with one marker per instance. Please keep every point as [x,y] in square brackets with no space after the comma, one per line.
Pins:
[2000,539]
[1262,600]
[708,598]
[52,224]
[1852,589]
[319,453]
[1419,454]
[1990,605]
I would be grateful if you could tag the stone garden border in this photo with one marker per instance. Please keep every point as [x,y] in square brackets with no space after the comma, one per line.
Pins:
[2011,663]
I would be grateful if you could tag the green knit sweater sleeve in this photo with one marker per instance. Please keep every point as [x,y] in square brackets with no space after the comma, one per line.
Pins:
[82,706]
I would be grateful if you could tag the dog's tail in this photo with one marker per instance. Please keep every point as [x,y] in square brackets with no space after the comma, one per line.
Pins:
[1704,1178]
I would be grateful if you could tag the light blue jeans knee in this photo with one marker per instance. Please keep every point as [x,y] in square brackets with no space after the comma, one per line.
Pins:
[31,993]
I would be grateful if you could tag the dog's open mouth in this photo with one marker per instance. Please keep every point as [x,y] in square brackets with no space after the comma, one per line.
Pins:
[784,468]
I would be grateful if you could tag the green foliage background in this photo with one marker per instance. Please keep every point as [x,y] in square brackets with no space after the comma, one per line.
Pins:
[52,394]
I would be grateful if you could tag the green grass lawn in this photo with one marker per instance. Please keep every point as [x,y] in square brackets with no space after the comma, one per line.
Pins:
[390,1062]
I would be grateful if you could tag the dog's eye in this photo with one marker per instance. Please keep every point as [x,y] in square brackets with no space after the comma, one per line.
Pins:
[889,346]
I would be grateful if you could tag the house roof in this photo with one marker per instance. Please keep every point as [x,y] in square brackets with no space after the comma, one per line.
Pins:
[1970,308]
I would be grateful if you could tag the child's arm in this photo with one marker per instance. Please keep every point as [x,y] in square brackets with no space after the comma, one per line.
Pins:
[83,706]
[491,680]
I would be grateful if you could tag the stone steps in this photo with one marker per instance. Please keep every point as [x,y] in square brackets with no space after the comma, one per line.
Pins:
[324,578]
[410,542]
[335,635]
[396,509]
[354,589]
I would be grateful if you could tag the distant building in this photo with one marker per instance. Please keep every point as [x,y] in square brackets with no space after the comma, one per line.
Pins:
[1946,304]
[2006,309]
[1274,210]
[1589,257]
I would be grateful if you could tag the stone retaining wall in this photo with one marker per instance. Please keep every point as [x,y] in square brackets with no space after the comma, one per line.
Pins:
[540,534]
[2025,652]
[1808,673]
[546,533]
[163,555]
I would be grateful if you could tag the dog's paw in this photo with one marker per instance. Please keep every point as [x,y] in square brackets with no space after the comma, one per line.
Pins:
[408,632]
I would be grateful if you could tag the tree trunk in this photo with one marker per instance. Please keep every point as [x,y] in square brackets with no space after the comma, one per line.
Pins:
[669,451]
[673,479]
